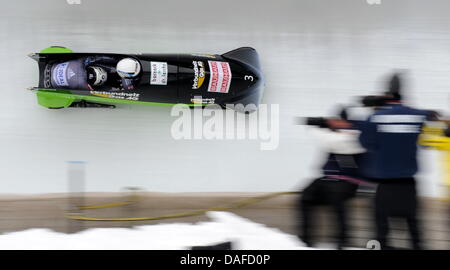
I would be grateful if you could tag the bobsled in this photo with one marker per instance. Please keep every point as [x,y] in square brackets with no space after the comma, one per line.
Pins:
[233,78]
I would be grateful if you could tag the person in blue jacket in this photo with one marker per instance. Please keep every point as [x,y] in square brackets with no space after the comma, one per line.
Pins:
[390,137]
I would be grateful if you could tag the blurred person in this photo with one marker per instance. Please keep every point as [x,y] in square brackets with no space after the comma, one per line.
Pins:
[437,136]
[340,178]
[390,136]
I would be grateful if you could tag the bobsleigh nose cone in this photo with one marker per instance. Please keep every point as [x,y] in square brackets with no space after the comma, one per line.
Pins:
[251,96]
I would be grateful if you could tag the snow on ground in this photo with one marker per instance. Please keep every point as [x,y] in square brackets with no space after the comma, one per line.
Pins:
[224,226]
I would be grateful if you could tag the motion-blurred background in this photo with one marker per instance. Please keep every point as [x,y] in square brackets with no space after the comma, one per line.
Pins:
[315,54]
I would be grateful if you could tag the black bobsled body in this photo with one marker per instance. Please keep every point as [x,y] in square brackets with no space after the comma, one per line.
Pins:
[194,79]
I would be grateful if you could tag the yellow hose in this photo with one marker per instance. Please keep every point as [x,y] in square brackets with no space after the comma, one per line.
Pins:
[235,205]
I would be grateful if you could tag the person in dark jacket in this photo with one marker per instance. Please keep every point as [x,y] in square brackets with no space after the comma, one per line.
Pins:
[339,182]
[390,136]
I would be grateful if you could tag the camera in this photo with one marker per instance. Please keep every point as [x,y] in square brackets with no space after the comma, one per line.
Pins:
[316,121]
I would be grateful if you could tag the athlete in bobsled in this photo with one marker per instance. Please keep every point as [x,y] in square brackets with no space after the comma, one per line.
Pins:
[94,73]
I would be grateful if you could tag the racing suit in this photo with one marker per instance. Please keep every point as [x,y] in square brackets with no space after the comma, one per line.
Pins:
[72,74]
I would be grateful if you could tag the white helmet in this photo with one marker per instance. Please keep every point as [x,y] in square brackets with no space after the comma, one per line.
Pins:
[96,75]
[128,68]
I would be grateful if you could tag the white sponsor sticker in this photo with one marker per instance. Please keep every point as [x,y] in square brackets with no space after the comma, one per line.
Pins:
[220,77]
[59,74]
[159,73]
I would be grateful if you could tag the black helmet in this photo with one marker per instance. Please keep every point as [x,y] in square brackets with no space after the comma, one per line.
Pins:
[394,87]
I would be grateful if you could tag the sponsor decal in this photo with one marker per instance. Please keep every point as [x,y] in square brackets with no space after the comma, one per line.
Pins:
[199,74]
[116,95]
[198,100]
[220,77]
[59,74]
[70,73]
[159,73]
[47,76]
[208,55]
